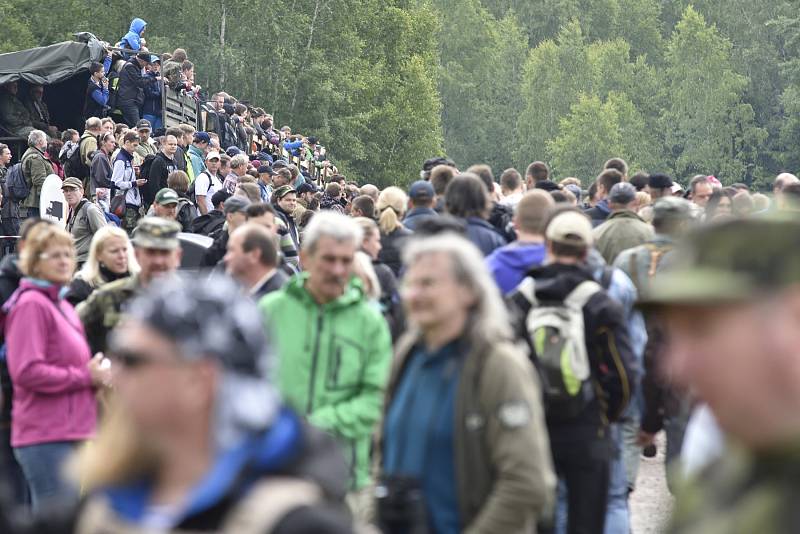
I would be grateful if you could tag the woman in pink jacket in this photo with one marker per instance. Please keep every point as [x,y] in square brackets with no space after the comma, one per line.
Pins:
[50,364]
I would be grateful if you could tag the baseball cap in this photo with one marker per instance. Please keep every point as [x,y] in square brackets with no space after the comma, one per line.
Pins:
[157,233]
[622,193]
[283,191]
[266,169]
[570,227]
[306,187]
[202,137]
[731,261]
[235,204]
[421,189]
[212,155]
[676,188]
[232,151]
[279,164]
[72,182]
[144,124]
[166,197]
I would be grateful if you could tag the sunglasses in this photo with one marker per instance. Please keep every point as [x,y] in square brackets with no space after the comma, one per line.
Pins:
[131,359]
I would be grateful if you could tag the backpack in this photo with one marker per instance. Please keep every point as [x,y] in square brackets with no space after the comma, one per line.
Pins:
[558,338]
[118,206]
[18,187]
[191,193]
[75,165]
[185,213]
[144,169]
[656,255]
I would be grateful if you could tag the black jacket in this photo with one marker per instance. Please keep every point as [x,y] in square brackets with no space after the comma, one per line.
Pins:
[392,248]
[607,343]
[209,223]
[10,275]
[275,282]
[130,88]
[160,169]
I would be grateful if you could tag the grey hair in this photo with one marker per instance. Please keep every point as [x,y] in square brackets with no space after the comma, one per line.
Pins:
[489,317]
[36,137]
[328,223]
[93,123]
[239,160]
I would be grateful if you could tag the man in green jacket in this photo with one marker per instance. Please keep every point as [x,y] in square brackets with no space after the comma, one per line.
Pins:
[623,229]
[334,347]
[36,169]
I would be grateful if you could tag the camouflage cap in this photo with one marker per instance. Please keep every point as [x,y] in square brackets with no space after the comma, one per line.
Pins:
[733,261]
[672,208]
[166,196]
[158,233]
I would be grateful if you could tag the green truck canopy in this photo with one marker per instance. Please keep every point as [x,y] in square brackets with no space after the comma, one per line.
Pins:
[48,65]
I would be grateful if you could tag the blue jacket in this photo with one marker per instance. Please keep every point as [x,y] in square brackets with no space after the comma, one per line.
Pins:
[293,148]
[414,215]
[599,213]
[152,96]
[510,264]
[132,38]
[419,431]
[483,235]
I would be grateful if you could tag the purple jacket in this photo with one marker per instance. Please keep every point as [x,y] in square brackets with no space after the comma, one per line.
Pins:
[47,360]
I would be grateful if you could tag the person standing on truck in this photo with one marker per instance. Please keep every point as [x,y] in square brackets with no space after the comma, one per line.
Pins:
[133,40]
[130,91]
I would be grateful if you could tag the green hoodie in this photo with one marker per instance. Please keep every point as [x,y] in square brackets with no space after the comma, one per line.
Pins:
[333,363]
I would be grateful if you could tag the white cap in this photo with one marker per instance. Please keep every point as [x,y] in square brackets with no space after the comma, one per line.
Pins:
[570,227]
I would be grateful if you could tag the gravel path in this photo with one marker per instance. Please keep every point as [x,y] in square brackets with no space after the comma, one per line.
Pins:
[651,503]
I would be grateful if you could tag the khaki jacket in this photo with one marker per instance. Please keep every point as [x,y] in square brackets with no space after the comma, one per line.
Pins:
[504,470]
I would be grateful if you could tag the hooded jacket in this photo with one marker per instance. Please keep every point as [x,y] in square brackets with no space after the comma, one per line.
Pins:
[132,39]
[334,362]
[483,235]
[510,263]
[608,349]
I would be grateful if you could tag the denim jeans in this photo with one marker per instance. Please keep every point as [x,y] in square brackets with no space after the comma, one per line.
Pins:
[42,465]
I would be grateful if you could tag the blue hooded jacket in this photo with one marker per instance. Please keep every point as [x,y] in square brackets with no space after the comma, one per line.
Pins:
[510,264]
[132,38]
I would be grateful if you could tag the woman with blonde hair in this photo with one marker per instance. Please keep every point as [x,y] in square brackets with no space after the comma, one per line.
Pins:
[391,207]
[111,258]
[50,364]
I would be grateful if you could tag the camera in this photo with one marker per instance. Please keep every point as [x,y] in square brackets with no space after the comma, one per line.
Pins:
[401,506]
[55,209]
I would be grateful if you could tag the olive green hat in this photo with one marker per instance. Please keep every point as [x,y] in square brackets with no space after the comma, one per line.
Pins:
[157,233]
[733,261]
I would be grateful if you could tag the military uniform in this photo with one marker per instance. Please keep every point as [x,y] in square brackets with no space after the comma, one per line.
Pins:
[741,261]
[102,311]
[104,308]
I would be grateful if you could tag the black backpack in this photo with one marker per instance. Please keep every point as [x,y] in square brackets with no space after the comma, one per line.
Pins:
[144,169]
[75,167]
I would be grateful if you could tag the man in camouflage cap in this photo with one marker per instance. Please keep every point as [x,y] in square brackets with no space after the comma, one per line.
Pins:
[158,252]
[730,304]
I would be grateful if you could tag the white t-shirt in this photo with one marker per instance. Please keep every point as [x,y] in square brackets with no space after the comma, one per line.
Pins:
[206,185]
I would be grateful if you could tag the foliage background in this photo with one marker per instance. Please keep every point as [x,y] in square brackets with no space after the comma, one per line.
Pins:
[708,86]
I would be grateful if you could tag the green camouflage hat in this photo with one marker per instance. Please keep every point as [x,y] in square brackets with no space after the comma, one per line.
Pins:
[732,261]
[158,233]
[166,197]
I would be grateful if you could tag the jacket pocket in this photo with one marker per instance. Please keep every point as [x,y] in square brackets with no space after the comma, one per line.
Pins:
[345,364]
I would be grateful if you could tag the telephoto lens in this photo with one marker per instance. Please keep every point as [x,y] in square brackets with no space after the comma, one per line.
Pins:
[649,451]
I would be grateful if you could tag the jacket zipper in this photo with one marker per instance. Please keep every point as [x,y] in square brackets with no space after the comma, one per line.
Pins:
[315,357]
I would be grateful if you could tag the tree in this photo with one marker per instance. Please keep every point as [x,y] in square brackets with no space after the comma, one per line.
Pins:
[708,127]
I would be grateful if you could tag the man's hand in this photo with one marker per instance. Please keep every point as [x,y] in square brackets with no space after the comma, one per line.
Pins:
[140,182]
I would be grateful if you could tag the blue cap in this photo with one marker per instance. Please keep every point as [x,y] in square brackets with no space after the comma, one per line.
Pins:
[420,190]
[202,137]
[233,151]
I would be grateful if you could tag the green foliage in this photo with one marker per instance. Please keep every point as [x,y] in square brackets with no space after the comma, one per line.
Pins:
[681,86]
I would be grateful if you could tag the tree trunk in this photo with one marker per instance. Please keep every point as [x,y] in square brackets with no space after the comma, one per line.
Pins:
[308,48]
[222,48]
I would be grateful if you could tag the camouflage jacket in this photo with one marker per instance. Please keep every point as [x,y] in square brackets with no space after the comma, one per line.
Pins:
[102,311]
[742,493]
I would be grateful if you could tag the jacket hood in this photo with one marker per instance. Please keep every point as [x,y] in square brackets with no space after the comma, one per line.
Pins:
[275,451]
[520,257]
[137,25]
[555,281]
[353,293]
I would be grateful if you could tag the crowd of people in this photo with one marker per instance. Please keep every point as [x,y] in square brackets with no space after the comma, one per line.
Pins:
[475,353]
